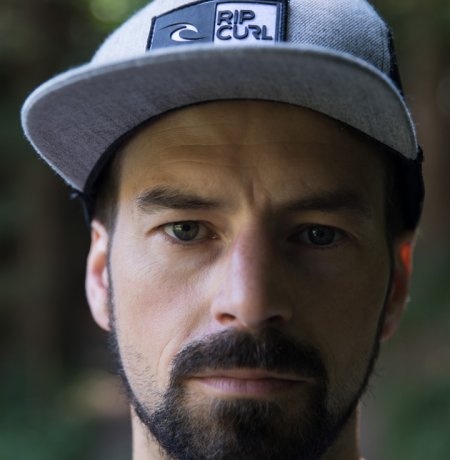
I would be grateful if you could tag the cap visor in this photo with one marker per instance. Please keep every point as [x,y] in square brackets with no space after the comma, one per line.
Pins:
[74,118]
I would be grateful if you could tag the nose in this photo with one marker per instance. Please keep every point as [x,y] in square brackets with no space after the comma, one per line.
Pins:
[252,290]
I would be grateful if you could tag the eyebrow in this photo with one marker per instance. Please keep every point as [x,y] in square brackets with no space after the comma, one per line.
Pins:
[332,201]
[167,197]
[160,198]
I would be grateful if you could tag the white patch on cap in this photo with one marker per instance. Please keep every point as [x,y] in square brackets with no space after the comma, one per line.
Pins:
[246,23]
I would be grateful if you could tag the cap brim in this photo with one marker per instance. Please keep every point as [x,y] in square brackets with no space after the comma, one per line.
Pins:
[74,118]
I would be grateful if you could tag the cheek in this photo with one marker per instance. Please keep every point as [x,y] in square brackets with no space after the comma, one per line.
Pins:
[352,301]
[156,310]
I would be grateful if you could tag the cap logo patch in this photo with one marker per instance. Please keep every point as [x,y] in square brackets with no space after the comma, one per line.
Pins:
[221,23]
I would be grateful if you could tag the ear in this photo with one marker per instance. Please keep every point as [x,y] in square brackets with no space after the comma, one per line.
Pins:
[403,248]
[97,282]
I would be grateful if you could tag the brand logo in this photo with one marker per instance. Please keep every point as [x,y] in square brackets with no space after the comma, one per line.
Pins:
[177,36]
[243,23]
[221,23]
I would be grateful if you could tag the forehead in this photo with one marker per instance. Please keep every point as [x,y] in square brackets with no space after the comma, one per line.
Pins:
[268,146]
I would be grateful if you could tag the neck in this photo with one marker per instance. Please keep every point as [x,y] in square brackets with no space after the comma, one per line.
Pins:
[346,446]
[144,445]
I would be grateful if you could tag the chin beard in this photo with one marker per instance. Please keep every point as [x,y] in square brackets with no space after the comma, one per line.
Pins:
[191,428]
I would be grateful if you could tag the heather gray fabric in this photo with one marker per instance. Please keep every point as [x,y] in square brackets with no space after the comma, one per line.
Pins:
[335,59]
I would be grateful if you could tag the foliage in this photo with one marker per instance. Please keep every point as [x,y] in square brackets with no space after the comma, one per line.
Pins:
[34,425]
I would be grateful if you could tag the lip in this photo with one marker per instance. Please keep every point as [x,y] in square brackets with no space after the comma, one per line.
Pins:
[248,382]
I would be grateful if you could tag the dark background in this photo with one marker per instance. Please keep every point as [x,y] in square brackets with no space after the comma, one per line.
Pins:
[58,398]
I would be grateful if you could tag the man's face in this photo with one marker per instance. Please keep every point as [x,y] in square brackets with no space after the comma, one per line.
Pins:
[249,278]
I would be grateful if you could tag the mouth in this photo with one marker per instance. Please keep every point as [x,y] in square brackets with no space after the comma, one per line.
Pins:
[248,383]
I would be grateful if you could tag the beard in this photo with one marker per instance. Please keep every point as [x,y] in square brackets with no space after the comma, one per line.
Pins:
[191,428]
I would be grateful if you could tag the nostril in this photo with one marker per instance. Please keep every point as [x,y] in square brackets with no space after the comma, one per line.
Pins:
[275,319]
[245,320]
[226,318]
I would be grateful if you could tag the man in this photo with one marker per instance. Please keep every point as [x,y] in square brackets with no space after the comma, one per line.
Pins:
[253,181]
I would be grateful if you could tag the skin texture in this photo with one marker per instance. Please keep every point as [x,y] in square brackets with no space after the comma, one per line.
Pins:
[257,177]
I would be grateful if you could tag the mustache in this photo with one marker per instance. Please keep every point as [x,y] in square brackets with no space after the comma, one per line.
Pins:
[268,350]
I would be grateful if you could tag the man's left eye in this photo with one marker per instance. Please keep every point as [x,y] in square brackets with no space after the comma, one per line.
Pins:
[319,235]
[186,231]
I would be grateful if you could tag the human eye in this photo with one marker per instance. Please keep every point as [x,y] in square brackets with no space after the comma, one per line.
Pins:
[319,236]
[187,231]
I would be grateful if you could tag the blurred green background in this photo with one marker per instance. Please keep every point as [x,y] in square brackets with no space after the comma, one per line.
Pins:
[58,397]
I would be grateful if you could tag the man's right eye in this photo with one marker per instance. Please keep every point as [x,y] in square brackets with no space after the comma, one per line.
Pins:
[186,231]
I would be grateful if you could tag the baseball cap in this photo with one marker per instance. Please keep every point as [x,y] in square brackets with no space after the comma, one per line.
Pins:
[332,56]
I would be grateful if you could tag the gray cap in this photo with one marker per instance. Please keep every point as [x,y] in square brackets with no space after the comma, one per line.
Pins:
[332,56]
